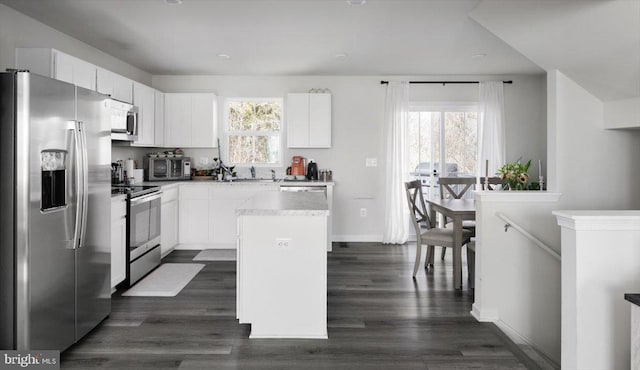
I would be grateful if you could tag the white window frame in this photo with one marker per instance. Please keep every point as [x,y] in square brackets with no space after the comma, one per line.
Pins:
[442,108]
[228,132]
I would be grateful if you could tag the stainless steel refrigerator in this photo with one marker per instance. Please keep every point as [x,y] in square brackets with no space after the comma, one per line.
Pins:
[55,181]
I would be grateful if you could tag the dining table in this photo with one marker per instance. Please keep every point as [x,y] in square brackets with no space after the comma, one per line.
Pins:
[457,210]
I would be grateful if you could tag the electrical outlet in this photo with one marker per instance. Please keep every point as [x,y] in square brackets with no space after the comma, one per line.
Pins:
[204,161]
[371,162]
[283,243]
[363,212]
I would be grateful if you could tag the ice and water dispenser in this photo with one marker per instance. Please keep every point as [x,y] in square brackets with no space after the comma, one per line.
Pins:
[53,178]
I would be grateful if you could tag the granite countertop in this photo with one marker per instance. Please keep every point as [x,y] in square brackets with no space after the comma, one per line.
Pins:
[633,298]
[270,203]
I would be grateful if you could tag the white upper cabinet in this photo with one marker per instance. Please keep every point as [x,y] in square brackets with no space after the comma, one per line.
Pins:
[159,118]
[56,64]
[309,120]
[114,85]
[144,99]
[190,120]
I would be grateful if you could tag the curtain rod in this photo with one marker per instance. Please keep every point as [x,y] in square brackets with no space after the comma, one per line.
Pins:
[444,82]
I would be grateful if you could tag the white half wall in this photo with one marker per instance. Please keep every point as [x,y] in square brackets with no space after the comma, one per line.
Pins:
[517,282]
[358,130]
[20,31]
[592,167]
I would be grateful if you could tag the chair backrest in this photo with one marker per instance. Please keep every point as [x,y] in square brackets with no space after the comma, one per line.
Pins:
[456,187]
[494,183]
[417,207]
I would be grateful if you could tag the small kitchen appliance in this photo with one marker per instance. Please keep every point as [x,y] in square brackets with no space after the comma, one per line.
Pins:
[163,169]
[297,166]
[312,170]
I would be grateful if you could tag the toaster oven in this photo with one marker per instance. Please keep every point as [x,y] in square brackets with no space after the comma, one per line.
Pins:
[165,169]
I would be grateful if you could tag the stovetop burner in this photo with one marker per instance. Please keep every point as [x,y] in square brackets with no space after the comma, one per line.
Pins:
[134,190]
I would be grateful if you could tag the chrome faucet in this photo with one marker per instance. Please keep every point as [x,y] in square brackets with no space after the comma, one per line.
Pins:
[253,172]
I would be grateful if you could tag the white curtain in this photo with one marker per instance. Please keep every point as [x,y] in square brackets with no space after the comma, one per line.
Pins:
[396,226]
[491,144]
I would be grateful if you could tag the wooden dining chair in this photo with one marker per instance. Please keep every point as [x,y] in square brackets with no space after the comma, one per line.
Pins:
[456,188]
[426,232]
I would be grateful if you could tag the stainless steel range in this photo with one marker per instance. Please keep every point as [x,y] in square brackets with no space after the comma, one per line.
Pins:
[143,230]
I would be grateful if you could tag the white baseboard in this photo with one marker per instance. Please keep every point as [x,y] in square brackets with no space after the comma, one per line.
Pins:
[519,339]
[368,238]
[484,315]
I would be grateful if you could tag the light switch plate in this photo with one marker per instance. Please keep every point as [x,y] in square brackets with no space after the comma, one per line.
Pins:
[204,161]
[371,162]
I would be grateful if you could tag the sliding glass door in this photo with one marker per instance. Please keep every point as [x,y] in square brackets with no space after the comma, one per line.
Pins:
[442,141]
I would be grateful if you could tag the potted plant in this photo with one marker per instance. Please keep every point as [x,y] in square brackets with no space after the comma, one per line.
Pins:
[516,176]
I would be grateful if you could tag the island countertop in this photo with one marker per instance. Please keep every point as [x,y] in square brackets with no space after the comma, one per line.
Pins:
[285,204]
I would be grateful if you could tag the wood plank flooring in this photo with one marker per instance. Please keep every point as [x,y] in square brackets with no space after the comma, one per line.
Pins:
[378,317]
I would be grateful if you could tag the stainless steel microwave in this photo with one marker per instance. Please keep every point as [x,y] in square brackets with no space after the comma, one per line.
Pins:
[164,169]
[124,120]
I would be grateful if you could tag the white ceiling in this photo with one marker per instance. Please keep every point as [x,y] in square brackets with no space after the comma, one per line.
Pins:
[595,43]
[285,37]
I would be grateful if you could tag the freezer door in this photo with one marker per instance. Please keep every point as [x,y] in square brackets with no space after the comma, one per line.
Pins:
[45,225]
[93,278]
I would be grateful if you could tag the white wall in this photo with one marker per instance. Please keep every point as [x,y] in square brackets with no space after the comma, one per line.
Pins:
[592,167]
[623,113]
[358,131]
[19,30]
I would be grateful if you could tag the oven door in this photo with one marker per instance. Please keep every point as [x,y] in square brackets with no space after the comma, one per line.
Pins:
[144,221]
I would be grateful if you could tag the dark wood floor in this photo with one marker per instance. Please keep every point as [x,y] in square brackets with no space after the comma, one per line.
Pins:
[379,318]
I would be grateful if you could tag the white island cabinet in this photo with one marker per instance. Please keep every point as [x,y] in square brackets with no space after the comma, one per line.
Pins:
[282,265]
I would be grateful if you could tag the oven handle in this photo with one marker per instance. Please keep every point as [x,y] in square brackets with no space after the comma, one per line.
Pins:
[146,198]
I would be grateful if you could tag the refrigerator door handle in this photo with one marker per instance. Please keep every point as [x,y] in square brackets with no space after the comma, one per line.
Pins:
[85,182]
[78,177]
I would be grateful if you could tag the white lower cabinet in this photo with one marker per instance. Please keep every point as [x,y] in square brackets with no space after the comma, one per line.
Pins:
[193,212]
[169,219]
[118,240]
[207,213]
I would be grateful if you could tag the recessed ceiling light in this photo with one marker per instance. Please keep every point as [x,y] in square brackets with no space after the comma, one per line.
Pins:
[340,55]
[356,2]
[224,56]
[173,2]
[478,56]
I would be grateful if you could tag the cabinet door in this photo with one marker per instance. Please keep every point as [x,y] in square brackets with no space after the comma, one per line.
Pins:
[159,117]
[122,88]
[169,220]
[144,99]
[194,221]
[297,120]
[320,120]
[63,67]
[193,212]
[177,120]
[224,201]
[202,120]
[104,82]
[84,74]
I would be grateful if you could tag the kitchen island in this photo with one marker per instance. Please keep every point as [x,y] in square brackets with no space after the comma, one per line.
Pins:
[282,265]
